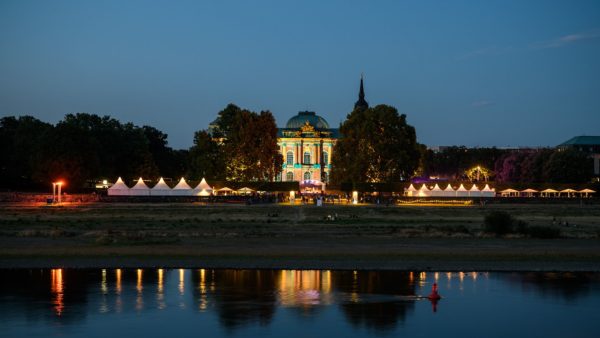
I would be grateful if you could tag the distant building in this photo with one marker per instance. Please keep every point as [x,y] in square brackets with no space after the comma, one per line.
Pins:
[586,144]
[306,143]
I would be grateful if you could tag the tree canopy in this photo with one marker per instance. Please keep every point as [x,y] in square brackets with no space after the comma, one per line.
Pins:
[376,145]
[240,145]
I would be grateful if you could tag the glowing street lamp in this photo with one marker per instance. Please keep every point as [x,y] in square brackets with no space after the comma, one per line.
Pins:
[56,190]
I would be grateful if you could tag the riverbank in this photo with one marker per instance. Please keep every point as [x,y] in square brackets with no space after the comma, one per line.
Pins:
[293,237]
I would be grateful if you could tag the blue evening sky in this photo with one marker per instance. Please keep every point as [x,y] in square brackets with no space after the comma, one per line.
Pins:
[475,73]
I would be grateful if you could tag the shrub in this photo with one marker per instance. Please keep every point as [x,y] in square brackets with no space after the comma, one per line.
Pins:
[498,222]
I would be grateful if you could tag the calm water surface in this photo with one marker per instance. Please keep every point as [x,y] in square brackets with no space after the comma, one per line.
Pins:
[293,303]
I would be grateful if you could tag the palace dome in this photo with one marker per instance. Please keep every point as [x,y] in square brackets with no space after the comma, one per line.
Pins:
[299,120]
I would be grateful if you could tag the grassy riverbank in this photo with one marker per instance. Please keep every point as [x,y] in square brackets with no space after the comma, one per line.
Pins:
[343,237]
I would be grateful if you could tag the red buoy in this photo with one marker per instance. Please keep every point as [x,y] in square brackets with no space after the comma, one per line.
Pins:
[434,295]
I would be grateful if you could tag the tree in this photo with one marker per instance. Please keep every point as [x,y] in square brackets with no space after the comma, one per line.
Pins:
[568,166]
[21,142]
[206,157]
[377,145]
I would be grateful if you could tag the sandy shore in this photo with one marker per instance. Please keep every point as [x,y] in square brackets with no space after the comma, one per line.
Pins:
[301,237]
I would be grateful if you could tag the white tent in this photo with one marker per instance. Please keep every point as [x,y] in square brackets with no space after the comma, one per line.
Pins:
[547,192]
[529,192]
[245,191]
[436,191]
[182,189]
[461,191]
[570,192]
[224,191]
[509,193]
[587,192]
[474,191]
[487,192]
[203,189]
[424,191]
[411,191]
[118,189]
[160,189]
[449,192]
[139,189]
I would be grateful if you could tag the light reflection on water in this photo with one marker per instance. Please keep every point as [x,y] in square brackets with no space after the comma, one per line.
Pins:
[177,302]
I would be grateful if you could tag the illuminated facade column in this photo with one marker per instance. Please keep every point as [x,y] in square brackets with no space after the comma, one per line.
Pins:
[301,152]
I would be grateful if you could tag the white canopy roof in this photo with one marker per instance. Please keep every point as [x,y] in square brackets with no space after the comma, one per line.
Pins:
[461,188]
[182,185]
[487,188]
[245,190]
[411,188]
[549,191]
[449,188]
[224,189]
[506,191]
[119,185]
[436,188]
[140,185]
[529,190]
[474,188]
[161,185]
[424,188]
[587,191]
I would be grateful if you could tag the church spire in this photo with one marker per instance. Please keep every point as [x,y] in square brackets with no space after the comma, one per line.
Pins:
[361,103]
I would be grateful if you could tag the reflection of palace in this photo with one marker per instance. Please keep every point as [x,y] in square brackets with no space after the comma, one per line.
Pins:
[306,144]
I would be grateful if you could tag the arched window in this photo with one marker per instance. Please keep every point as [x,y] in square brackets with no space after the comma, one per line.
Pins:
[306,158]
[307,175]
[290,158]
[289,176]
[324,177]
[325,158]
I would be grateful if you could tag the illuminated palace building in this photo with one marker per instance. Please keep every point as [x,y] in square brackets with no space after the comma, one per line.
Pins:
[306,144]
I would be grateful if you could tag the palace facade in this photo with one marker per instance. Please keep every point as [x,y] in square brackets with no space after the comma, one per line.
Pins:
[306,144]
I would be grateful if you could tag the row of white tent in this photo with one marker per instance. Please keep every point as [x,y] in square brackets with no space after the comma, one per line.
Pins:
[461,191]
[160,189]
[546,193]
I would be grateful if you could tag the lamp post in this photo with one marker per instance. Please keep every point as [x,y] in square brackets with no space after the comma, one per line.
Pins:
[53,192]
[59,188]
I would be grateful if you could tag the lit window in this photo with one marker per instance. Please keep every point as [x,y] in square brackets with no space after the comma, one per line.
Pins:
[307,175]
[290,158]
[307,157]
[325,158]
[289,176]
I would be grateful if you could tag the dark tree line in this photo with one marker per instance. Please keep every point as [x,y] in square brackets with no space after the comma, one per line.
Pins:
[80,149]
[511,166]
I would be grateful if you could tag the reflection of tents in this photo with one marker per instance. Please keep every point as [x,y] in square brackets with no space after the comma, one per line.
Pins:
[203,189]
[118,189]
[182,189]
[529,192]
[547,192]
[245,191]
[584,191]
[139,189]
[509,193]
[411,191]
[224,191]
[160,189]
